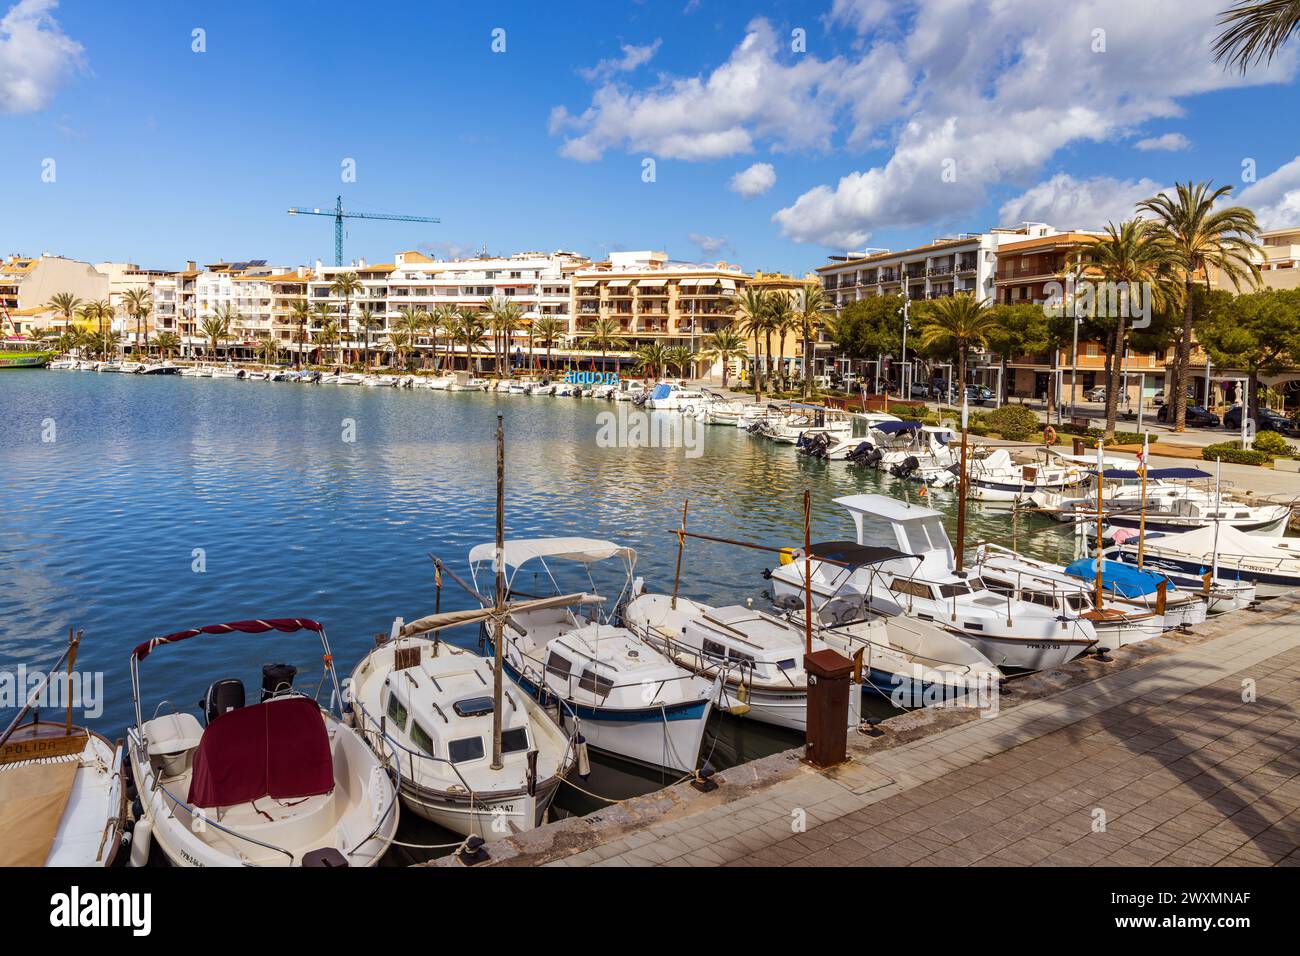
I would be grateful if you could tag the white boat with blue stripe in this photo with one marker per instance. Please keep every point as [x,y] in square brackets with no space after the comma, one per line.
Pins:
[623,696]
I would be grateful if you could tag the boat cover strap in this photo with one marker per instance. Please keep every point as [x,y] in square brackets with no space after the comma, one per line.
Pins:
[33,797]
[278,749]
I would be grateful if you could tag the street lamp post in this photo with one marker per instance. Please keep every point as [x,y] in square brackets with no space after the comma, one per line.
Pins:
[902,371]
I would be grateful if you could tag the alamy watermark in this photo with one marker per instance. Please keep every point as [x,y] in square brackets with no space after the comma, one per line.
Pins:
[637,429]
[81,690]
[930,688]
[1096,299]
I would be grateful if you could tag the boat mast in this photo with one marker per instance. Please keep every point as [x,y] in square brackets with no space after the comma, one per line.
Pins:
[681,546]
[807,572]
[1218,513]
[962,484]
[1101,485]
[498,615]
[1142,516]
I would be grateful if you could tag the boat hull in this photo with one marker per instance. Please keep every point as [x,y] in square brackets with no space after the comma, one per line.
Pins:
[482,815]
[667,736]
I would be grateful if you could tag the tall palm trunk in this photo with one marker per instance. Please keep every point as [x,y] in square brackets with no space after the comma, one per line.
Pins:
[1182,360]
[1114,375]
[807,359]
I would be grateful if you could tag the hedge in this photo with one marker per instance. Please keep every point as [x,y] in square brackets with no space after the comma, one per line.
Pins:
[1231,451]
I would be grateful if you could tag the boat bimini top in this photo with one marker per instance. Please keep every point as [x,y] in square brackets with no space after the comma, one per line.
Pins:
[519,552]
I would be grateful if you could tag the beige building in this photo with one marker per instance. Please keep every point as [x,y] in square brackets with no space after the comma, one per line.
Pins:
[28,283]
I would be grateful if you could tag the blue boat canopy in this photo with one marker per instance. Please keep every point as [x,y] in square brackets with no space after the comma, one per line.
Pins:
[893,428]
[661,391]
[1126,580]
[1176,474]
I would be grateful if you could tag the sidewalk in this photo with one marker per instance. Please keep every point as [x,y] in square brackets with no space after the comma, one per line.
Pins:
[1157,762]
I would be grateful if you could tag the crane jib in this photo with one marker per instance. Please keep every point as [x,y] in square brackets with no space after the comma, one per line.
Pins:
[339,215]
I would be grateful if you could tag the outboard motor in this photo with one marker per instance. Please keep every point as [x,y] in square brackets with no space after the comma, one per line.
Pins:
[858,455]
[277,679]
[906,467]
[222,696]
[874,457]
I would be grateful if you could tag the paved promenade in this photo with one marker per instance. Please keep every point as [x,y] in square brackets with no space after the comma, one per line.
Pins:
[1189,755]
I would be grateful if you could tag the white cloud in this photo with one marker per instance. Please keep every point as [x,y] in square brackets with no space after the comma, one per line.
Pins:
[633,57]
[1275,198]
[753,94]
[1070,203]
[996,87]
[754,181]
[36,56]
[1169,141]
[710,245]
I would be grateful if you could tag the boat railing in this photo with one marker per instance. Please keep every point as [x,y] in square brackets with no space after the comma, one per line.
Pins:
[534,670]
[709,665]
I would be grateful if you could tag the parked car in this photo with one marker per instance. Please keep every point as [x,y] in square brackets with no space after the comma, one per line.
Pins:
[1097,394]
[1266,420]
[921,390]
[1196,415]
[978,394]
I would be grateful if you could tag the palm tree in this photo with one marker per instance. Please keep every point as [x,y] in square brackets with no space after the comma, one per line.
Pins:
[399,341]
[604,335]
[1129,254]
[752,310]
[299,314]
[723,346]
[1198,237]
[651,359]
[812,309]
[268,348]
[548,329]
[68,340]
[1255,31]
[469,332]
[138,304]
[326,336]
[368,320]
[345,286]
[955,323]
[783,321]
[411,321]
[65,304]
[505,319]
[99,312]
[216,326]
[678,357]
[441,319]
[168,343]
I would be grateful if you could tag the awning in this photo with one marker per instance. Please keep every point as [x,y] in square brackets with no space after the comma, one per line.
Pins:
[729,285]
[619,283]
[893,428]
[523,550]
[854,555]
[586,283]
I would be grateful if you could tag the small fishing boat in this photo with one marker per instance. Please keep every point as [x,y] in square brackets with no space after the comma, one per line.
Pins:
[434,703]
[280,782]
[627,698]
[1142,586]
[226,371]
[717,410]
[62,792]
[1271,564]
[1219,594]
[803,422]
[1118,622]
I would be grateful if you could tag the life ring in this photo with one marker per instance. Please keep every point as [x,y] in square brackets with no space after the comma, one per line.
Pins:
[1049,435]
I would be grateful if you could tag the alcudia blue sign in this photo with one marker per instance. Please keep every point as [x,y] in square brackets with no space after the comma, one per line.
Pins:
[591,378]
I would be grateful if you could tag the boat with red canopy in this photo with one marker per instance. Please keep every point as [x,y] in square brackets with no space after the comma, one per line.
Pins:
[281,781]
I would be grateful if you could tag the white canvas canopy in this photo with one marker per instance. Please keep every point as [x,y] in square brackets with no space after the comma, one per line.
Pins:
[1231,543]
[520,551]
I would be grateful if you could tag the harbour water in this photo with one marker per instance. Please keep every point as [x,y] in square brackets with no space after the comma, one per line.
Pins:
[138,506]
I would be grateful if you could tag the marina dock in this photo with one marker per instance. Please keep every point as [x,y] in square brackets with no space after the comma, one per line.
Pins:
[1181,751]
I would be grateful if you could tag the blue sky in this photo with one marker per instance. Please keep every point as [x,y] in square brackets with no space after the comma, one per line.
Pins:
[890,124]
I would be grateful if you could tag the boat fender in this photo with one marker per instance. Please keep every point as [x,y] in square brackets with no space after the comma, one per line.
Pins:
[141,841]
[1049,435]
[584,762]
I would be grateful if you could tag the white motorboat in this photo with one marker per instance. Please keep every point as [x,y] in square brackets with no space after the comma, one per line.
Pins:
[994,477]
[1271,564]
[1145,587]
[256,376]
[760,655]
[917,577]
[62,792]
[440,383]
[630,392]
[160,368]
[673,397]
[625,697]
[434,703]
[802,422]
[1118,621]
[1176,500]
[227,371]
[909,450]
[281,782]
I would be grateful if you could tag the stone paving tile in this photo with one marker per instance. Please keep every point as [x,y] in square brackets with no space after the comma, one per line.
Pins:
[1184,772]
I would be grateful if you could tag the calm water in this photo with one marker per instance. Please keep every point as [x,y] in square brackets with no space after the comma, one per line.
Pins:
[99,528]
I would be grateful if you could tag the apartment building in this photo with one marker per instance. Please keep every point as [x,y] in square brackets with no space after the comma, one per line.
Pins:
[27,283]
[1028,272]
[948,266]
[1280,268]
[122,278]
[652,299]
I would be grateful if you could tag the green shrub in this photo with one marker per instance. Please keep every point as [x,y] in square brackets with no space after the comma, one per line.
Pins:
[1271,443]
[1012,422]
[908,410]
[1231,451]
